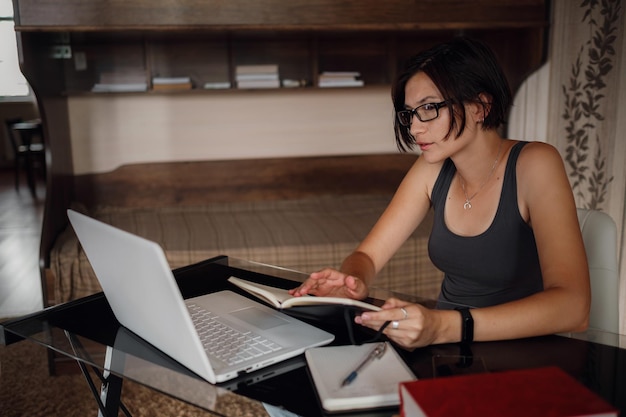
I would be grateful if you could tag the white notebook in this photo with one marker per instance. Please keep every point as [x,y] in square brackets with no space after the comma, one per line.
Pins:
[377,385]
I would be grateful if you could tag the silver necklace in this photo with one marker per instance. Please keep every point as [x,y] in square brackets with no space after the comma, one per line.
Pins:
[468,205]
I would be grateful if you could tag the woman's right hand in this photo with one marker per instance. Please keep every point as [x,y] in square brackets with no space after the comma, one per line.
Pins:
[332,283]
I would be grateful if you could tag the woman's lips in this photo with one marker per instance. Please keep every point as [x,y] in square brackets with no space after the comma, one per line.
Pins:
[424,146]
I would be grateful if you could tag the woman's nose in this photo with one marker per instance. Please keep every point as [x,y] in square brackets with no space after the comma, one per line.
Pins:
[417,126]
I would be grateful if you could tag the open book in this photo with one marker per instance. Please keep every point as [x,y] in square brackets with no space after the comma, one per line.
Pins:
[281,298]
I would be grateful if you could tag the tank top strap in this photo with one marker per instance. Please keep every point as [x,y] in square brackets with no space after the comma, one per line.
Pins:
[509,188]
[442,184]
[512,161]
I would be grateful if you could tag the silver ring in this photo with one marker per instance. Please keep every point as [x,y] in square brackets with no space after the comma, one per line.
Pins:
[395,324]
[406,315]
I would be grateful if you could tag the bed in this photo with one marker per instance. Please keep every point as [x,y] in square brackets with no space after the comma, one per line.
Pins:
[298,213]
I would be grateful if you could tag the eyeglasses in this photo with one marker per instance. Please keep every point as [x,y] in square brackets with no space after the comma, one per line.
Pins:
[425,112]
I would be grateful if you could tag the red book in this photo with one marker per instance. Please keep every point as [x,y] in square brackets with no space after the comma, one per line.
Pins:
[540,392]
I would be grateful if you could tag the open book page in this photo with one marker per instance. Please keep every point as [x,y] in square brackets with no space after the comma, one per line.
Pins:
[281,298]
[376,385]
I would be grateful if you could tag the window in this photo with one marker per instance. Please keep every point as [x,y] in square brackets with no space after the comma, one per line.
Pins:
[12,82]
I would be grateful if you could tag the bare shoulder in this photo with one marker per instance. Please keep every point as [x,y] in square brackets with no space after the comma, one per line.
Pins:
[542,179]
[423,175]
[539,159]
[539,152]
[425,170]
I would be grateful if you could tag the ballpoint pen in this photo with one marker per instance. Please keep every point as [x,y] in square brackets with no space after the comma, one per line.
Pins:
[377,353]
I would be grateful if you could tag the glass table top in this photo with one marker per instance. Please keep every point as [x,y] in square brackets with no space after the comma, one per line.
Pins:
[86,330]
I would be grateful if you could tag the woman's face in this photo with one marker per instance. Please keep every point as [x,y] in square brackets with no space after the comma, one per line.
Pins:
[431,136]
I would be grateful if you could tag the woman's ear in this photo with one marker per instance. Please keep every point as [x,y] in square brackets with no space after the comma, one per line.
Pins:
[482,107]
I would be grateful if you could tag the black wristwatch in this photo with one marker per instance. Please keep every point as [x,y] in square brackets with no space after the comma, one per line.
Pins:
[467,325]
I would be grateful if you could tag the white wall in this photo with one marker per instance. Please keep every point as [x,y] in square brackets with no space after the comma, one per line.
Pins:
[108,131]
[528,119]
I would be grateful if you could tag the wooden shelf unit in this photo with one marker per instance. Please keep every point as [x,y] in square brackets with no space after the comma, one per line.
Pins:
[209,57]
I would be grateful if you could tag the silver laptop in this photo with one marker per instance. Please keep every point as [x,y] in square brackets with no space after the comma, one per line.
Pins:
[142,291]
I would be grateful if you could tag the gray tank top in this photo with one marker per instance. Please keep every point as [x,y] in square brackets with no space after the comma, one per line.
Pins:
[494,267]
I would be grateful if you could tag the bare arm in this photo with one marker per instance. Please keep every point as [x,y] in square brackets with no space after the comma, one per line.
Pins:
[404,213]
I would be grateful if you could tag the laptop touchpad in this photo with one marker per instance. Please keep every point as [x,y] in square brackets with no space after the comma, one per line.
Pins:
[259,318]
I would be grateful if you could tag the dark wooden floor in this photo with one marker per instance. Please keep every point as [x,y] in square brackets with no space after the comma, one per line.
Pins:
[20,228]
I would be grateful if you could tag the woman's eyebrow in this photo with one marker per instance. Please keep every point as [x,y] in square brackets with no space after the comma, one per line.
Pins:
[423,100]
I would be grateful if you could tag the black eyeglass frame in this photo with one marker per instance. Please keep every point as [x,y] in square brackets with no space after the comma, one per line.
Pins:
[414,112]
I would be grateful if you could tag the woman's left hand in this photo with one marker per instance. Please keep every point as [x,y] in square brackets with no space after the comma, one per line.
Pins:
[412,325]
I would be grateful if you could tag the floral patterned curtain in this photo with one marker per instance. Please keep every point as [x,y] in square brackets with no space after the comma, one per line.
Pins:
[577,102]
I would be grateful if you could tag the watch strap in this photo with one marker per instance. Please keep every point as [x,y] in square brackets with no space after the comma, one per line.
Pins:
[467,325]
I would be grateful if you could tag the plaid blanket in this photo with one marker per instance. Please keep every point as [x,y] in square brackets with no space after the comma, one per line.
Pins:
[304,235]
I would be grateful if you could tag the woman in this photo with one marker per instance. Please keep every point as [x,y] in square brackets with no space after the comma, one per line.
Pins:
[505,231]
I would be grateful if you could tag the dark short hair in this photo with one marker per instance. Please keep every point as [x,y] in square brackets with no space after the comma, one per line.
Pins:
[461,69]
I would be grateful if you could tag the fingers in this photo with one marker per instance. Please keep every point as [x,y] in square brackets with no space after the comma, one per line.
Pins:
[394,303]
[394,315]
[305,288]
[320,283]
[410,325]
[404,323]
[355,287]
[330,282]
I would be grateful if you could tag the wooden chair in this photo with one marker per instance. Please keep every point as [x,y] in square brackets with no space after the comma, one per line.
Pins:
[27,154]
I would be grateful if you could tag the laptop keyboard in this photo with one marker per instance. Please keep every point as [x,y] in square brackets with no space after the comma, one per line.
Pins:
[229,345]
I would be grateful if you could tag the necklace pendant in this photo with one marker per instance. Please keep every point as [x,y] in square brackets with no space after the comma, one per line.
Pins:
[467,205]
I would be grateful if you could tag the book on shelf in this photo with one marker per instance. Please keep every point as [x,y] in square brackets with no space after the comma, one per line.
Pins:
[280,298]
[171,83]
[538,392]
[219,85]
[341,83]
[253,76]
[119,87]
[256,69]
[172,87]
[257,76]
[338,75]
[375,386]
[290,83]
[258,84]
[170,80]
[340,79]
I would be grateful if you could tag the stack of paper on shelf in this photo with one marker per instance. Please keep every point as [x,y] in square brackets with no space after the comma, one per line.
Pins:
[119,87]
[539,392]
[171,83]
[291,83]
[217,85]
[120,82]
[257,76]
[340,79]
